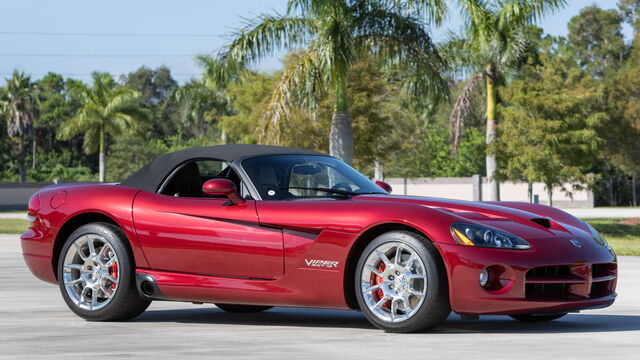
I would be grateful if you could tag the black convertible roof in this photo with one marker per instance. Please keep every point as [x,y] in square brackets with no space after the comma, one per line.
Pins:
[151,175]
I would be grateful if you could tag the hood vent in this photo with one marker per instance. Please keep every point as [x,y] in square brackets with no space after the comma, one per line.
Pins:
[544,222]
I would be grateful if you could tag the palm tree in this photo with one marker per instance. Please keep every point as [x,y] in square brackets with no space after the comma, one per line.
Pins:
[19,103]
[493,42]
[200,104]
[107,109]
[333,35]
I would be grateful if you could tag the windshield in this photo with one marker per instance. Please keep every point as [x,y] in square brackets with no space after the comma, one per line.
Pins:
[291,177]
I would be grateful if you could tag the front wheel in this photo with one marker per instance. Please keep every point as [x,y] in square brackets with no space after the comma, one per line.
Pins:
[537,317]
[96,274]
[401,283]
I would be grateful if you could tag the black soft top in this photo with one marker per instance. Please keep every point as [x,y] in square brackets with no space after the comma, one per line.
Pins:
[151,175]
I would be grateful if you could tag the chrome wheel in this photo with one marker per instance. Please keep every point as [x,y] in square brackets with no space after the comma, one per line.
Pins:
[393,282]
[90,272]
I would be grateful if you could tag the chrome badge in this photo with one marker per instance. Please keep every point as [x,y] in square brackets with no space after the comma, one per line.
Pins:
[576,243]
[328,264]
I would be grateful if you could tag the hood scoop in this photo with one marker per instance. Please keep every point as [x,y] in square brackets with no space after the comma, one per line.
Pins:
[544,222]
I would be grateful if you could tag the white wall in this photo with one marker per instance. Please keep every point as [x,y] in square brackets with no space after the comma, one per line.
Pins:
[462,189]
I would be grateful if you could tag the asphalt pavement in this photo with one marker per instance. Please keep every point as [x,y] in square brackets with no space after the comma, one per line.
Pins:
[35,323]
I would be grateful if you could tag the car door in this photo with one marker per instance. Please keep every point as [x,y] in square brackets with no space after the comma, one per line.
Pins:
[208,236]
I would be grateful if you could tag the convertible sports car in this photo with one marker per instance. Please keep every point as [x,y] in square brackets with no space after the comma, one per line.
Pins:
[249,227]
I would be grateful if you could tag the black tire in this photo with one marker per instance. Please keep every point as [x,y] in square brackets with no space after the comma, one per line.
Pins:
[242,309]
[537,317]
[126,302]
[435,308]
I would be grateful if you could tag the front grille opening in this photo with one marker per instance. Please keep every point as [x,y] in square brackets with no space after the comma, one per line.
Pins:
[549,272]
[608,269]
[547,291]
[600,289]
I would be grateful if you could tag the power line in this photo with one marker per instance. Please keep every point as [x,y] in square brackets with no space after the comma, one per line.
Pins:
[97,55]
[85,74]
[37,33]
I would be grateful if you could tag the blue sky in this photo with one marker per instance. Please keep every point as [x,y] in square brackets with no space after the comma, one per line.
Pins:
[52,28]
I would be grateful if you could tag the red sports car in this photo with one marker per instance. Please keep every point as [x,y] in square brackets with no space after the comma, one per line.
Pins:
[250,227]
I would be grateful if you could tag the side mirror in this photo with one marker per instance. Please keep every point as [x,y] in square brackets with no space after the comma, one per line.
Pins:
[224,187]
[384,186]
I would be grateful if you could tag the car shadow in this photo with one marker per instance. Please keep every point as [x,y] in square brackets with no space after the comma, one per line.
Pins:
[282,316]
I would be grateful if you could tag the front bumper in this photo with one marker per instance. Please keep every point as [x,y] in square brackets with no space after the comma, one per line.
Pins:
[553,277]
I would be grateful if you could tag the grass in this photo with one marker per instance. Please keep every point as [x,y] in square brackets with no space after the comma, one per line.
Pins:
[13,226]
[624,238]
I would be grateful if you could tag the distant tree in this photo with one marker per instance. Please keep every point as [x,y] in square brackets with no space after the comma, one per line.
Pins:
[335,35]
[622,128]
[200,108]
[19,104]
[106,109]
[596,36]
[156,87]
[249,100]
[630,11]
[549,126]
[494,40]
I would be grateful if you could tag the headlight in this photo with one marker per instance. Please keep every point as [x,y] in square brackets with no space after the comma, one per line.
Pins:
[597,237]
[482,236]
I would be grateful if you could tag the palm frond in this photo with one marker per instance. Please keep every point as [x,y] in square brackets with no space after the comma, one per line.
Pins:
[432,11]
[515,13]
[461,55]
[461,110]
[261,37]
[479,19]
[403,42]
[305,82]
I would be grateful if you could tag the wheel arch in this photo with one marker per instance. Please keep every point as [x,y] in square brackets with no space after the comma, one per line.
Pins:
[358,247]
[73,223]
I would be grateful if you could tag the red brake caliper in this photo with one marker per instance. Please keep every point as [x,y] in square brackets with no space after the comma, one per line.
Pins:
[113,271]
[379,280]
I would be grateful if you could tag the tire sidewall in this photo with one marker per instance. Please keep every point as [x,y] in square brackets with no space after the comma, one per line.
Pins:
[115,238]
[434,284]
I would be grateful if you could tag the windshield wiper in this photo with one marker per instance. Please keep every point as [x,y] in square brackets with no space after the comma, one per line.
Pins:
[330,191]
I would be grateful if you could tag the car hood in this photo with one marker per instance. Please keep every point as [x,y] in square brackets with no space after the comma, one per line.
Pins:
[536,221]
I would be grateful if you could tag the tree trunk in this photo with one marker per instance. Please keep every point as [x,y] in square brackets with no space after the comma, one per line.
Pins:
[634,195]
[549,195]
[341,134]
[21,156]
[101,156]
[33,150]
[530,192]
[494,186]
[378,171]
[341,137]
[223,137]
[612,197]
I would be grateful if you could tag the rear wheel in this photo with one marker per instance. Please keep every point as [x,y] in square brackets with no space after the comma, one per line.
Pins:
[243,309]
[537,317]
[401,284]
[96,274]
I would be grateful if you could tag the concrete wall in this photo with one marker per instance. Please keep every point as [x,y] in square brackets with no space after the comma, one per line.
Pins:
[15,196]
[463,189]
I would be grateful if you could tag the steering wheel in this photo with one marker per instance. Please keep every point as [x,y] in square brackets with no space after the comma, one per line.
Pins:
[342,186]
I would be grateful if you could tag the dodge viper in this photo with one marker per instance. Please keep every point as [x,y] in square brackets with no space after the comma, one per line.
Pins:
[250,227]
